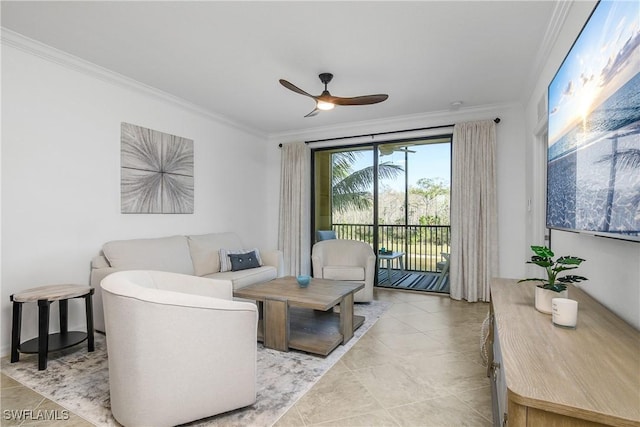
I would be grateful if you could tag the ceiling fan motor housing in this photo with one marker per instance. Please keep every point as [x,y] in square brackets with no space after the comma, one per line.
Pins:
[325,77]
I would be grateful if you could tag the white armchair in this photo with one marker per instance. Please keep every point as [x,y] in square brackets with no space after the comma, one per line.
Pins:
[179,347]
[346,260]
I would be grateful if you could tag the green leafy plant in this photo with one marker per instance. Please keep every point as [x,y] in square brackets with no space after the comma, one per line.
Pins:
[544,258]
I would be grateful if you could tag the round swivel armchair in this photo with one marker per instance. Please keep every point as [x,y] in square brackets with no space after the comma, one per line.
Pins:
[179,347]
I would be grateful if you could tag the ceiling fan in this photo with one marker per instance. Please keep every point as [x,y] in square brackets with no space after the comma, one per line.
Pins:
[326,101]
[385,150]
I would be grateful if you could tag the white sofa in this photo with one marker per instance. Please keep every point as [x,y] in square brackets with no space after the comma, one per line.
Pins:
[179,347]
[346,260]
[196,255]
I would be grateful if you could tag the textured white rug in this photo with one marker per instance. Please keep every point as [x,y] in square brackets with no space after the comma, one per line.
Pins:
[79,381]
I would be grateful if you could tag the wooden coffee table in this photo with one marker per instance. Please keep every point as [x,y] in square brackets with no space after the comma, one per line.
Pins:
[303,318]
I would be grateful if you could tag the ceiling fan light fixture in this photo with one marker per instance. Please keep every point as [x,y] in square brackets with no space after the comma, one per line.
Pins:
[385,150]
[325,101]
[323,105]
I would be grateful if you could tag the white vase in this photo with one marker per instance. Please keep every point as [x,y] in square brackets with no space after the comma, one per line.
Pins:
[544,296]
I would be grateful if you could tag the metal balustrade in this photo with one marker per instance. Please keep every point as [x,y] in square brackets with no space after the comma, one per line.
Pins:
[423,245]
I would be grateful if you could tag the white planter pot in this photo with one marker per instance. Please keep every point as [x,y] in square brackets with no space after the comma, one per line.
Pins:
[544,297]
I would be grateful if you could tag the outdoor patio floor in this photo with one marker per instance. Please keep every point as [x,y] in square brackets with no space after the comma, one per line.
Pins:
[413,280]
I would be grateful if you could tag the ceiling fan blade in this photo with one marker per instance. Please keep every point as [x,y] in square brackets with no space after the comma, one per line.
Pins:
[313,113]
[360,100]
[295,88]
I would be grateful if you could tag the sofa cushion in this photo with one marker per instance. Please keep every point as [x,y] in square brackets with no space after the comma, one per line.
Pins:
[205,250]
[243,261]
[225,261]
[340,272]
[163,254]
[243,278]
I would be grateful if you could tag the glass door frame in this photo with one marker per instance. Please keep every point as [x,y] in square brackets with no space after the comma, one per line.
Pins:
[374,146]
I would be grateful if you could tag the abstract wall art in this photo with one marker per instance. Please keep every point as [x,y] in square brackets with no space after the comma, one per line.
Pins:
[156,172]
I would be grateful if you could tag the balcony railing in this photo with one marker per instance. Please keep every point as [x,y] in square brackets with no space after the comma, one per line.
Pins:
[423,245]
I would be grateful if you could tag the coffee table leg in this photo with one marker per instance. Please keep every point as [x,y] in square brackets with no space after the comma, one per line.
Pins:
[346,317]
[276,324]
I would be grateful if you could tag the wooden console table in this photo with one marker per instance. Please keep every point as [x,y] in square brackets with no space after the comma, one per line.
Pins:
[544,375]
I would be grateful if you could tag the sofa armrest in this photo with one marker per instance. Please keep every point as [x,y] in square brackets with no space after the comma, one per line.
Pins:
[97,274]
[275,259]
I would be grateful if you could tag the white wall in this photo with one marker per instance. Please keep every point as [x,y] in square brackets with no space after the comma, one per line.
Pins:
[612,266]
[511,168]
[61,175]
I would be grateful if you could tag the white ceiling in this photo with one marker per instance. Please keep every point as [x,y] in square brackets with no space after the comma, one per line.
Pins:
[227,57]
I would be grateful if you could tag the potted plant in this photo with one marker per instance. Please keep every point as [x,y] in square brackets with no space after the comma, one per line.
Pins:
[552,286]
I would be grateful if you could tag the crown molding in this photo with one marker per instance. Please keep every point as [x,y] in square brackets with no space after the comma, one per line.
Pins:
[25,44]
[558,18]
[435,118]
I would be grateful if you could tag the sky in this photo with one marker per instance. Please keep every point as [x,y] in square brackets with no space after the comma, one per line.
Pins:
[428,161]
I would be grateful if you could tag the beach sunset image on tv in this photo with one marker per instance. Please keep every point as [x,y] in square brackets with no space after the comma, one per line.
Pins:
[593,170]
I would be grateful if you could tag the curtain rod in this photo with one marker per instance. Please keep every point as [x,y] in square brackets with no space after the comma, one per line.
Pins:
[496,120]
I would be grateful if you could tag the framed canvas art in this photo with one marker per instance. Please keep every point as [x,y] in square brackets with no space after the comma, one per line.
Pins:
[156,172]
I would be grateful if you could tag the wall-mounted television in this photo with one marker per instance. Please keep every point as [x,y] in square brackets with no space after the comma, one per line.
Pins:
[593,156]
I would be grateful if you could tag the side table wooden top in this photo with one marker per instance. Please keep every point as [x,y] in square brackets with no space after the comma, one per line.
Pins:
[51,293]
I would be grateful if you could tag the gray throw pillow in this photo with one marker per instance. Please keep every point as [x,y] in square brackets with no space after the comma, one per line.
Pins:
[244,261]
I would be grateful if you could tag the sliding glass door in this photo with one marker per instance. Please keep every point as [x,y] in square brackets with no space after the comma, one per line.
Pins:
[394,196]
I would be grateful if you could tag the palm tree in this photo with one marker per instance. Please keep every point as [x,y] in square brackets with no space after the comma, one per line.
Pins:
[620,160]
[352,189]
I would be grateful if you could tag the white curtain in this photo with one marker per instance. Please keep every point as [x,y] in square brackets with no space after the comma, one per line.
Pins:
[295,196]
[474,254]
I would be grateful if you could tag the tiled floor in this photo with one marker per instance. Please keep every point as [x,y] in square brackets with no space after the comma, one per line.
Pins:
[22,406]
[419,365]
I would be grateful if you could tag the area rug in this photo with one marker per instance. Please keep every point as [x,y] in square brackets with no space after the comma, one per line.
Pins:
[79,381]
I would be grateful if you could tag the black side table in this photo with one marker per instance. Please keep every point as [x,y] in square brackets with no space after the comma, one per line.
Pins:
[46,342]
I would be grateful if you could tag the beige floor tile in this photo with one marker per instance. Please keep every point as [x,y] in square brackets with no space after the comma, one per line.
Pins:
[339,367]
[18,401]
[475,357]
[461,339]
[50,414]
[368,352]
[443,320]
[390,325]
[415,342]
[421,321]
[336,395]
[7,381]
[373,419]
[384,295]
[433,304]
[407,296]
[392,386]
[291,418]
[450,373]
[478,399]
[400,309]
[444,411]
